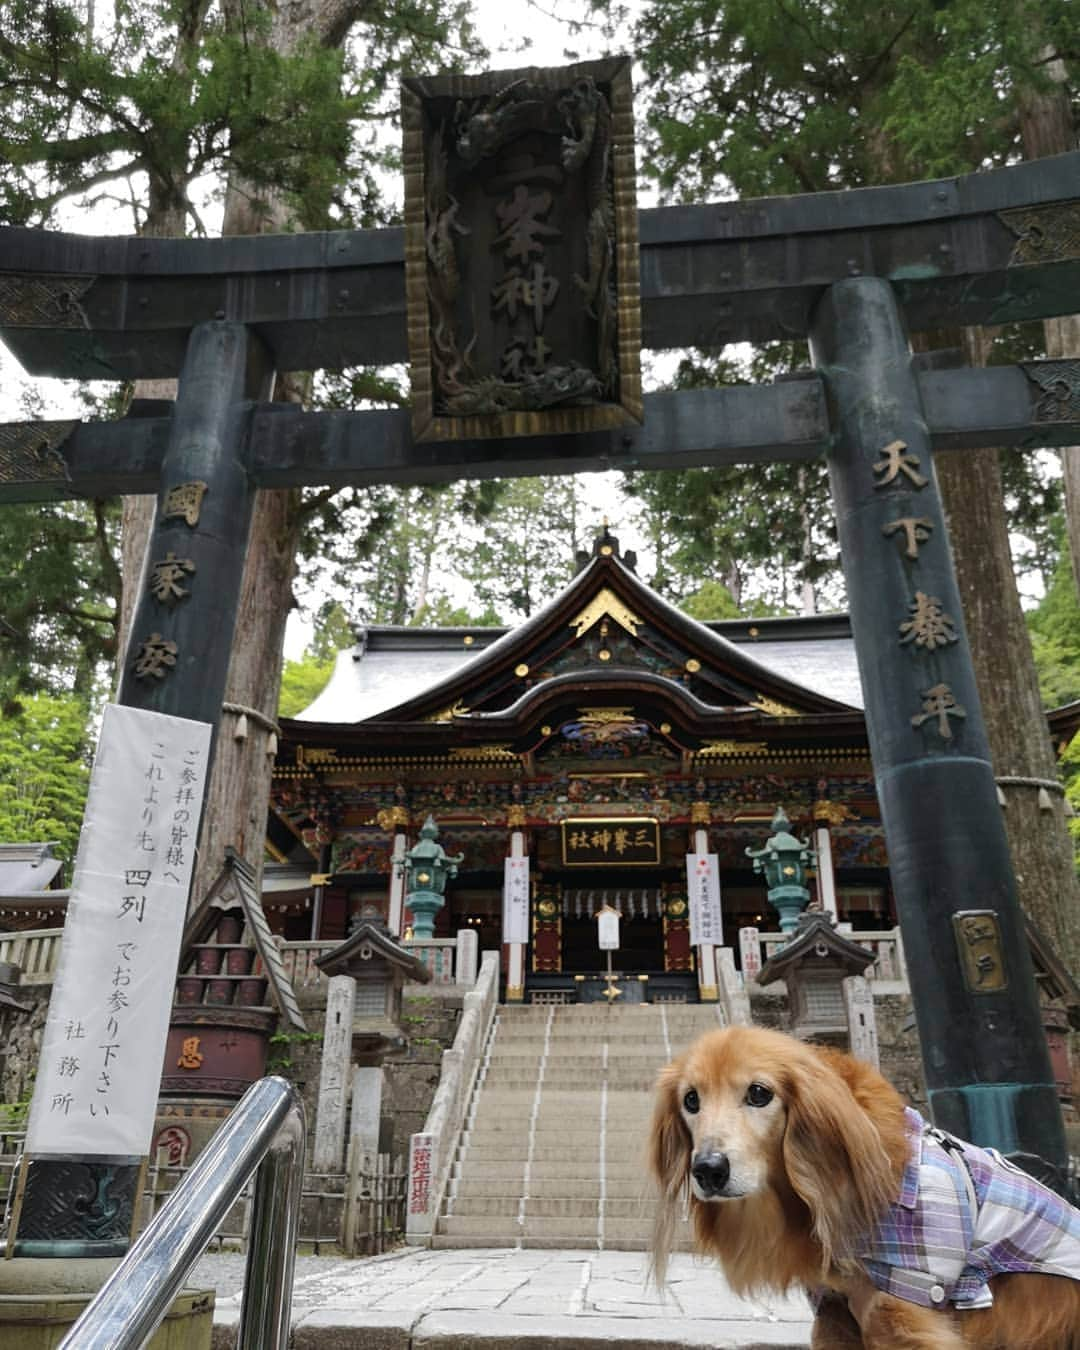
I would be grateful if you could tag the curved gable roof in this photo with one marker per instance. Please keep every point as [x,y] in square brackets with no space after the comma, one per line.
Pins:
[715,671]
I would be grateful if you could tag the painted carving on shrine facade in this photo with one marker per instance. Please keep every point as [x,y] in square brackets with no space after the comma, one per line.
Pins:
[521,252]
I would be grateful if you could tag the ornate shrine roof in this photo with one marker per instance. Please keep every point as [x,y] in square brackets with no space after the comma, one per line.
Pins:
[398,675]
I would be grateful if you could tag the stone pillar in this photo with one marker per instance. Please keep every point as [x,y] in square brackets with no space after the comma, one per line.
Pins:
[515,968]
[367,1089]
[467,957]
[706,951]
[862,1019]
[329,1150]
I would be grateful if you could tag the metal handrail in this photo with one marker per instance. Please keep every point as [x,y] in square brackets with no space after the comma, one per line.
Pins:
[267,1131]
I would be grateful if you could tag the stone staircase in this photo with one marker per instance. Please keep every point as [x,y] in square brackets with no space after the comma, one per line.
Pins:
[553,1151]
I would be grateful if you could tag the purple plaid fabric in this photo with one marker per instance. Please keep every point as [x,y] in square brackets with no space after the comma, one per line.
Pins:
[964,1215]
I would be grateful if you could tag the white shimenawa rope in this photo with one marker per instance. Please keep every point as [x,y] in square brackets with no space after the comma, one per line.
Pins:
[526,1179]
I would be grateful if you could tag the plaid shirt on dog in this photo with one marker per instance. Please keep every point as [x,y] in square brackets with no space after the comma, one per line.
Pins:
[964,1215]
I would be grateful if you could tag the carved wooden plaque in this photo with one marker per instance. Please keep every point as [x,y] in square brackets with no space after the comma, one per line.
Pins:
[521,252]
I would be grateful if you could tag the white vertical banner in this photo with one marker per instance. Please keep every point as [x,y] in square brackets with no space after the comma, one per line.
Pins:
[703,887]
[749,953]
[100,1066]
[515,918]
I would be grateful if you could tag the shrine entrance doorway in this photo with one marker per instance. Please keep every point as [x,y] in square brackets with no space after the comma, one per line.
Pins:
[653,963]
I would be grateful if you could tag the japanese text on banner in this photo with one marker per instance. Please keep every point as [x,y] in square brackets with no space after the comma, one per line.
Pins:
[100,1066]
[703,887]
[516,900]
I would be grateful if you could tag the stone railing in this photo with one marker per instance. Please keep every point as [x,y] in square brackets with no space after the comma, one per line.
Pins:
[431,1152]
[450,960]
[36,953]
[888,974]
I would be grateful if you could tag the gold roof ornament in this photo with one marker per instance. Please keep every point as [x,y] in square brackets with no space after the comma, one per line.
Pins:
[606,602]
[772,708]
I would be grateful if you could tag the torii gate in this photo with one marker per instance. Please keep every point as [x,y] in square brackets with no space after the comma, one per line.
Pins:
[849,270]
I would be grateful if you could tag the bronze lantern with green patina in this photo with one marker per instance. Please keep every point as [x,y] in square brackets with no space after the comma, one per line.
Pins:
[428,867]
[783,863]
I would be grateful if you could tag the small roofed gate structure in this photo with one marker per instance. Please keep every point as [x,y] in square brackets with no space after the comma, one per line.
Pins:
[852,271]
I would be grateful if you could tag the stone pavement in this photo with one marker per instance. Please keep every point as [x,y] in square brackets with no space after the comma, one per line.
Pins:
[505,1299]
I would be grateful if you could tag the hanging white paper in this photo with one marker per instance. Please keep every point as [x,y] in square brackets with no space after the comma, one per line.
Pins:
[607,929]
[703,885]
[516,900]
[100,1067]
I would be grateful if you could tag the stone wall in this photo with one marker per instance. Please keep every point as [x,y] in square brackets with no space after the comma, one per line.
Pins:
[429,1019]
[898,1042]
[20,1034]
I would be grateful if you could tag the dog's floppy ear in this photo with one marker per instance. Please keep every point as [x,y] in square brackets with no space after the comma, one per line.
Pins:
[834,1155]
[669,1158]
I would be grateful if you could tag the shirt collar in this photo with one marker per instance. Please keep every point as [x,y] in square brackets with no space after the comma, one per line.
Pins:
[909,1185]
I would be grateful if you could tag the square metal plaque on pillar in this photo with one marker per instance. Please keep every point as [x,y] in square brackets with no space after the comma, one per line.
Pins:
[521,251]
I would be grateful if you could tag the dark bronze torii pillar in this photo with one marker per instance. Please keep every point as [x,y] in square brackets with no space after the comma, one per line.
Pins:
[984,1052]
[85,1207]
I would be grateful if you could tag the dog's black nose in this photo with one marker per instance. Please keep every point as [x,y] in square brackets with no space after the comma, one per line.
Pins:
[711,1171]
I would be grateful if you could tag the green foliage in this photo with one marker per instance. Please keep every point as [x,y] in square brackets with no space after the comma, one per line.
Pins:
[762,532]
[769,97]
[61,596]
[44,772]
[301,683]
[712,600]
[527,551]
[178,93]
[1055,637]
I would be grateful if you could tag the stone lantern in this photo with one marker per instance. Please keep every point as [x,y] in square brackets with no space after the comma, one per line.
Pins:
[783,863]
[814,963]
[428,867]
[366,974]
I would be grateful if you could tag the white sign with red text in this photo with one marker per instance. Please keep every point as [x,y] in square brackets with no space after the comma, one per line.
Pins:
[703,887]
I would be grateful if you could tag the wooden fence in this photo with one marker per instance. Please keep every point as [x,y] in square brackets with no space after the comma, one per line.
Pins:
[359,1212]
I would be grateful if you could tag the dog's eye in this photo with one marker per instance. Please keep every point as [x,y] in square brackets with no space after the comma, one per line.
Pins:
[757,1094]
[692,1102]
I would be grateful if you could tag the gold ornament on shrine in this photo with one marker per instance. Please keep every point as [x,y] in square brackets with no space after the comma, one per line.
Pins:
[521,251]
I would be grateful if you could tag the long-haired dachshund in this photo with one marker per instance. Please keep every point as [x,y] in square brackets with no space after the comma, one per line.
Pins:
[802,1166]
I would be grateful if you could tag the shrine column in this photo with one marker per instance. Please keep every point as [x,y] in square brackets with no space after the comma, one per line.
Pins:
[700,816]
[515,963]
[985,1056]
[827,814]
[396,820]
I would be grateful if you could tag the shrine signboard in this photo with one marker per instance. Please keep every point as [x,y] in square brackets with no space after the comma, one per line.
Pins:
[632,841]
[521,253]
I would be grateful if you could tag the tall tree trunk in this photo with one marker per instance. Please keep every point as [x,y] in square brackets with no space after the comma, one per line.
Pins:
[1008,686]
[1047,128]
[238,794]
[166,218]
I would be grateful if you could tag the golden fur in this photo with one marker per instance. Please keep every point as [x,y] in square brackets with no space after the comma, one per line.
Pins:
[812,1169]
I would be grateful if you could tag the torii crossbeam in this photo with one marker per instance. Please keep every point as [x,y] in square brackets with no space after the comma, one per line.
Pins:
[852,271]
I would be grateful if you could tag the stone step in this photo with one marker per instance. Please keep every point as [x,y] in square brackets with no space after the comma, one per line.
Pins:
[569,1231]
[542,1171]
[553,1206]
[624,1187]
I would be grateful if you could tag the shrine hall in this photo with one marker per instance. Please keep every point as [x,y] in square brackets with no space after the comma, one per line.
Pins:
[604,739]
